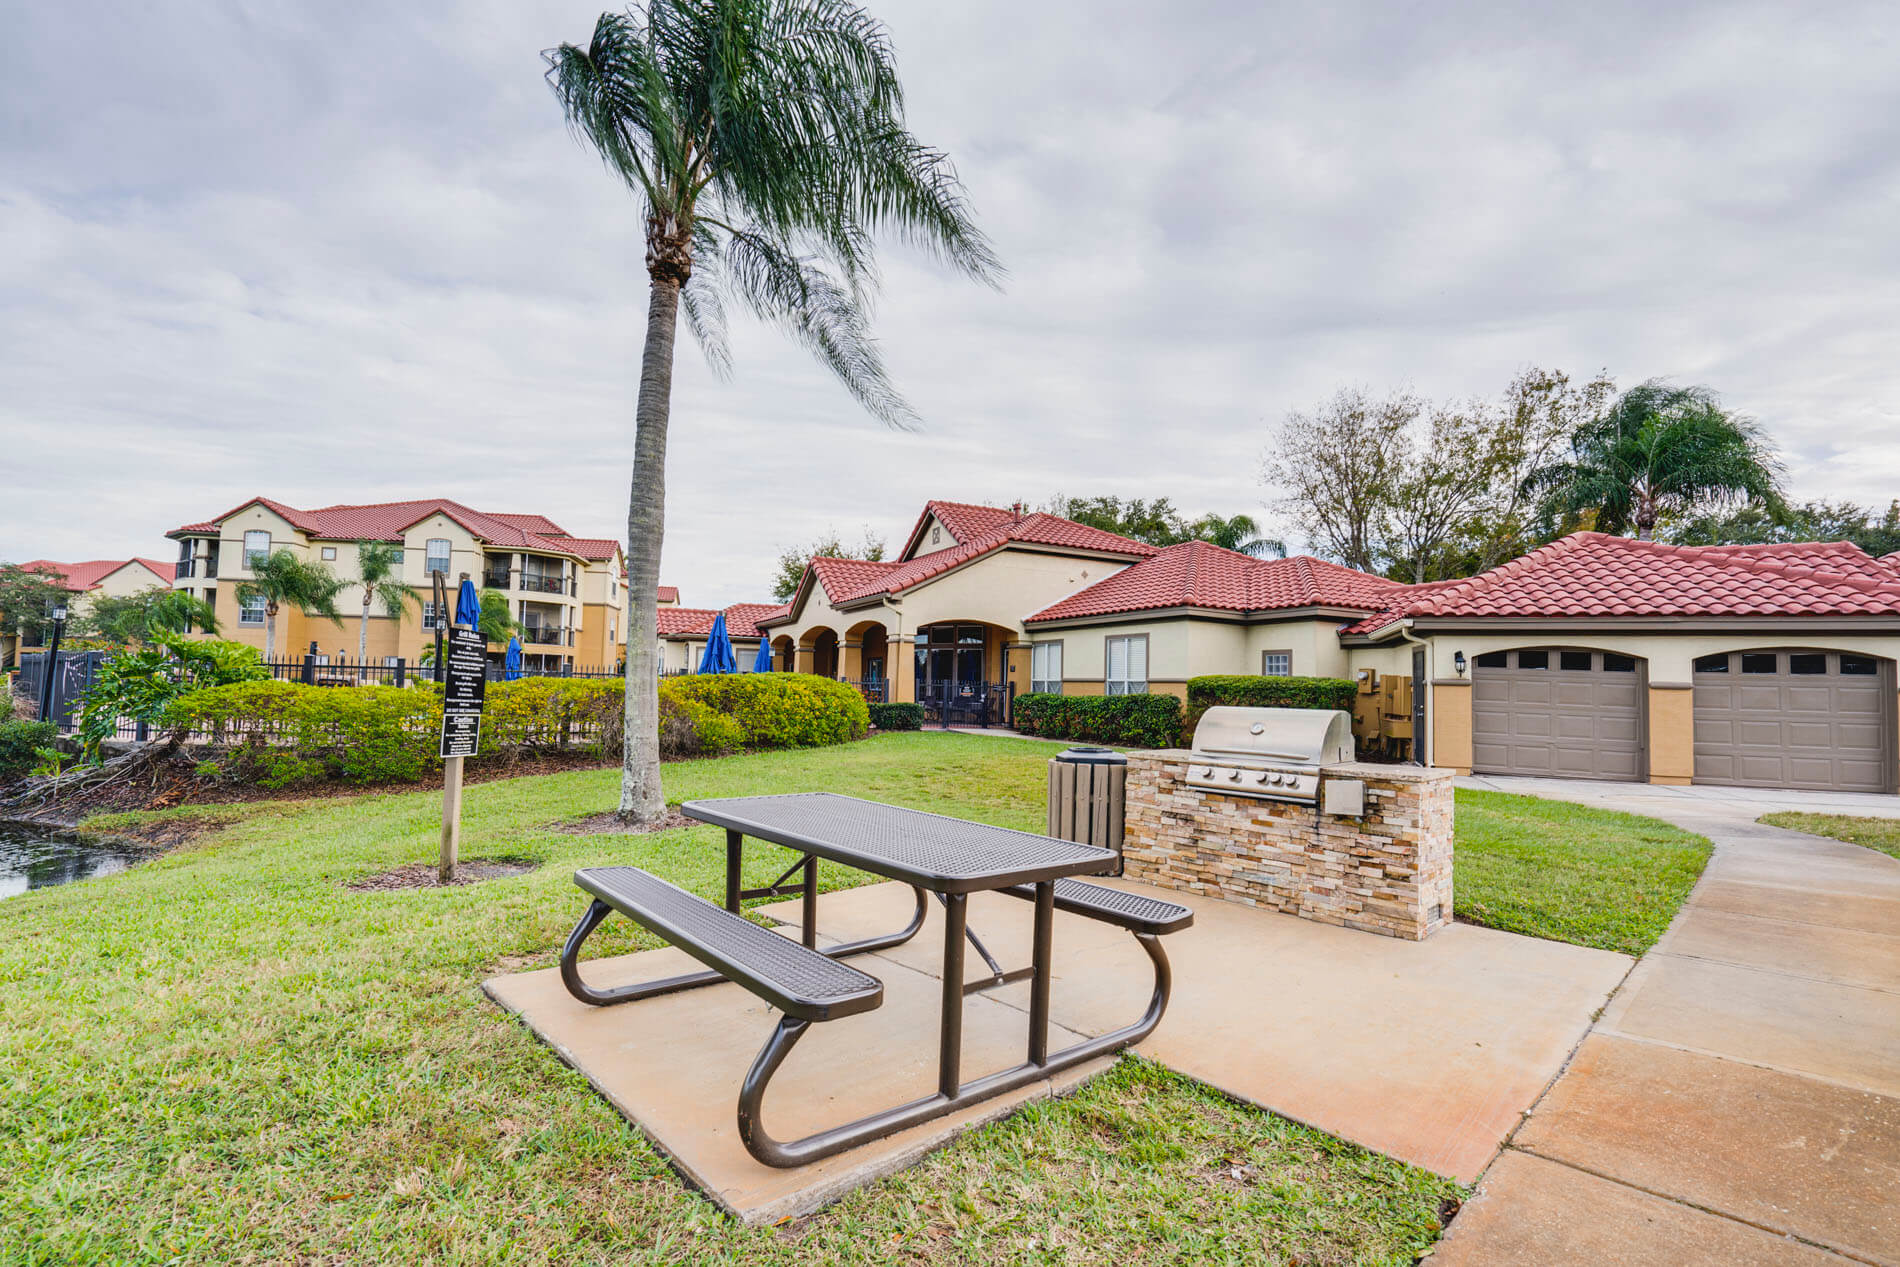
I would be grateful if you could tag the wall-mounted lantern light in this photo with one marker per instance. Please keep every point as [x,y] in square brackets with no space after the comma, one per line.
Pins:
[1458,662]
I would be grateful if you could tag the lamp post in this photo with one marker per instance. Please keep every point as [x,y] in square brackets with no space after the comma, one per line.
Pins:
[51,663]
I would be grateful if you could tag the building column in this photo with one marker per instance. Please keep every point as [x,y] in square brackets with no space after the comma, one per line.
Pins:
[803,657]
[1671,733]
[1448,715]
[900,668]
[851,661]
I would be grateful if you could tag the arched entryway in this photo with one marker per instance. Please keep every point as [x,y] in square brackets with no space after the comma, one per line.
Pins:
[818,652]
[784,654]
[865,658]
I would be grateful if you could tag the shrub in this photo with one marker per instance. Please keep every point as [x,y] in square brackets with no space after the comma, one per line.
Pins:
[290,733]
[780,710]
[1135,721]
[898,716]
[553,712]
[1255,691]
[689,728]
[20,742]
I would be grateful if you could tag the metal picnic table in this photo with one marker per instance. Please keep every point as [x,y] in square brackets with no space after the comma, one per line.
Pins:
[948,857]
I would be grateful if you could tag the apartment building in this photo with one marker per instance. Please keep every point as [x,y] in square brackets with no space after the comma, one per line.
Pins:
[566,592]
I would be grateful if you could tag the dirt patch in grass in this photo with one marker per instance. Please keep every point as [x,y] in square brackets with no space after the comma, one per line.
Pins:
[607,824]
[421,875]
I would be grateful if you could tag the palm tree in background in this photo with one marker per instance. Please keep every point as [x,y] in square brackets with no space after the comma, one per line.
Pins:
[1240,532]
[284,580]
[379,568]
[764,142]
[1659,451]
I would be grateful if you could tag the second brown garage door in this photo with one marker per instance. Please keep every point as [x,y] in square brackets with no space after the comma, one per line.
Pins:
[1571,714]
[1792,718]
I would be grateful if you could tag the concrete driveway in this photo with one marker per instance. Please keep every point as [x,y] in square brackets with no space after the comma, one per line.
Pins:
[1739,1099]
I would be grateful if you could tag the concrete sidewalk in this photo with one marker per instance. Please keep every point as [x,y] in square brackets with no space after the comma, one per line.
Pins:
[1739,1099]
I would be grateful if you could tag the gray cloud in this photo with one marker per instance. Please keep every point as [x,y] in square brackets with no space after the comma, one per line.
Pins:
[349,253]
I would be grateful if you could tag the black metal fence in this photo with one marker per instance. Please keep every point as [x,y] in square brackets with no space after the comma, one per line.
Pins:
[948,704]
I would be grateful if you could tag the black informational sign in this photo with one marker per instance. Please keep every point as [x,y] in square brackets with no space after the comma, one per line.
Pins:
[463,686]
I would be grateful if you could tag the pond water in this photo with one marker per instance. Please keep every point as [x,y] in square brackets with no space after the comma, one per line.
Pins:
[34,856]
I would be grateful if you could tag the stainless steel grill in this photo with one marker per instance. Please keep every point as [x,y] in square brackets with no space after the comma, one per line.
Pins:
[1274,754]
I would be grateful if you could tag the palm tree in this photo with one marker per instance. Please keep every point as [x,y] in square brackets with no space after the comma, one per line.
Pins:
[764,143]
[1659,451]
[497,622]
[1241,533]
[379,564]
[284,579]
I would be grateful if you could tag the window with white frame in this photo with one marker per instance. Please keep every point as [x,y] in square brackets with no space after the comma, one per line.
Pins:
[437,555]
[1276,663]
[256,546]
[431,615]
[329,554]
[251,610]
[1127,665]
[1045,667]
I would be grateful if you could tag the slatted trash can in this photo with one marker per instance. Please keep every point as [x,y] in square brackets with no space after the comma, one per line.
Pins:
[1087,791]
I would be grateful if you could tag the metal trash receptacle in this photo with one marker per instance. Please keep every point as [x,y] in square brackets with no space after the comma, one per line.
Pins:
[1087,791]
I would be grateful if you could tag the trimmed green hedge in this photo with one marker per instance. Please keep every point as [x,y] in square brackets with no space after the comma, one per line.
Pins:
[1132,721]
[780,710]
[285,732]
[897,716]
[1251,690]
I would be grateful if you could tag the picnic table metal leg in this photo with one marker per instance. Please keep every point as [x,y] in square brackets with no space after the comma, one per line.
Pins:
[735,857]
[1040,966]
[950,1096]
[950,1032]
[808,919]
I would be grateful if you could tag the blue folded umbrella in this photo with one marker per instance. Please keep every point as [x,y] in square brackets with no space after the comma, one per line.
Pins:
[468,606]
[764,663]
[718,657]
[511,663]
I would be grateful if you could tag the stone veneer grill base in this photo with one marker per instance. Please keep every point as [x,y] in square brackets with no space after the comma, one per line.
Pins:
[1388,872]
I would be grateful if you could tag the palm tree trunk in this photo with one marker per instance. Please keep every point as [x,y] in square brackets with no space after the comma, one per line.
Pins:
[641,801]
[362,633]
[270,633]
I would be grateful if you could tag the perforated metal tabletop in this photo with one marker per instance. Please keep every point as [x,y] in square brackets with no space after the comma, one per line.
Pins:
[946,855]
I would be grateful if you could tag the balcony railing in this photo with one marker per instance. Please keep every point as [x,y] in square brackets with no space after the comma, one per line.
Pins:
[543,584]
[548,636]
[496,578]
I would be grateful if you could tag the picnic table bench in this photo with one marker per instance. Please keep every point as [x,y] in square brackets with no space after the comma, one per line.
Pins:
[930,852]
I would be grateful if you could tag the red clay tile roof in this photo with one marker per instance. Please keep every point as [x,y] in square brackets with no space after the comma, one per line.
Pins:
[1591,574]
[386,521]
[667,593]
[965,520]
[1035,529]
[1196,574]
[741,620]
[80,577]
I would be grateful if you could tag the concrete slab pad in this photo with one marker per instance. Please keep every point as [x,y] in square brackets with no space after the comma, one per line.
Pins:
[672,1065]
[1843,955]
[1777,1150]
[1869,913]
[1846,1033]
[1426,1051]
[1533,1211]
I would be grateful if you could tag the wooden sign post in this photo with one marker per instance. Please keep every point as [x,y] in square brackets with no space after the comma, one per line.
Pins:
[464,684]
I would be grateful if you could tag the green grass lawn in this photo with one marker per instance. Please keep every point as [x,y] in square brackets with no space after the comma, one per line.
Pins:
[225,1056]
[1571,873]
[1872,833]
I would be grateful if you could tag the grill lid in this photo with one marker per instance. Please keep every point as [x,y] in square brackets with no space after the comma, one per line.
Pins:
[1303,736]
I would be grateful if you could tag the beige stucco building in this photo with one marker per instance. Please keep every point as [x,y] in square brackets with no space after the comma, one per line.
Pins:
[87,580]
[1594,657]
[567,592]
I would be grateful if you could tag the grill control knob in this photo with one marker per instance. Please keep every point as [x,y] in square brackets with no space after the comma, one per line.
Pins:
[1261,777]
[1208,773]
[1234,775]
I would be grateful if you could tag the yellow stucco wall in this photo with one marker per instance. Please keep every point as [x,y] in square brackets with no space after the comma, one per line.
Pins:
[1450,718]
[1671,735]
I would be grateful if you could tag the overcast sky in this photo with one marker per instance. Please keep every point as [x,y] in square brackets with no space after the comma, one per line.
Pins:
[347,252]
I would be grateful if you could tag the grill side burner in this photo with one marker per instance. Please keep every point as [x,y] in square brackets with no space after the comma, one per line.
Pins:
[1272,754]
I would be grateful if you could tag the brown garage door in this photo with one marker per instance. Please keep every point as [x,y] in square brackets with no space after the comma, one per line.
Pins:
[1792,718]
[1572,714]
